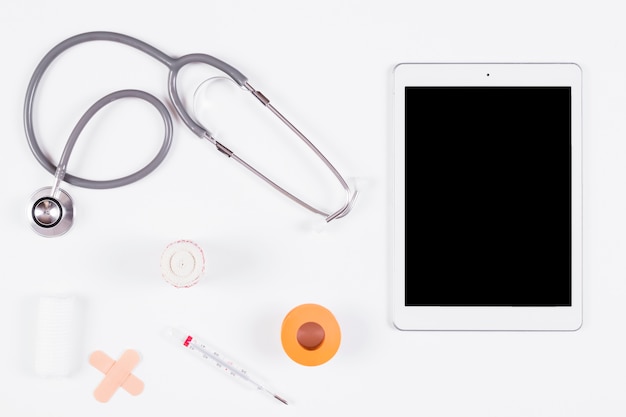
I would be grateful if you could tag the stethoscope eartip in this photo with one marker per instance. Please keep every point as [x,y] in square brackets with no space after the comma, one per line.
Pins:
[51,216]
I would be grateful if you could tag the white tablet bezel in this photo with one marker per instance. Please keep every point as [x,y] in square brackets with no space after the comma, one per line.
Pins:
[484,318]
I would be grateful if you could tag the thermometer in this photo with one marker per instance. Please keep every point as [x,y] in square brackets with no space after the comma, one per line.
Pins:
[215,358]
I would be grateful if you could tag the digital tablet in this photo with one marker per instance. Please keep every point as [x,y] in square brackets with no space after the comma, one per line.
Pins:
[487,189]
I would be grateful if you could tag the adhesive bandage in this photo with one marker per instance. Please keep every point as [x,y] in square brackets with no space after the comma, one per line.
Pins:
[118,374]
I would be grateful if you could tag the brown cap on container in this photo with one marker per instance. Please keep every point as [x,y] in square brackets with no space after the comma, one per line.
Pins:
[310,335]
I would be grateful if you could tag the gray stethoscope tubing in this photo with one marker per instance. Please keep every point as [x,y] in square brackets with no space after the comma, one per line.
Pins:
[60,170]
[174,65]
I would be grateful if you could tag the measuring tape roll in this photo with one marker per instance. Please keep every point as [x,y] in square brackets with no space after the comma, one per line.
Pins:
[182,263]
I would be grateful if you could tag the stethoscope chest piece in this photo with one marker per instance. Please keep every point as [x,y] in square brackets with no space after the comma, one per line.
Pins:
[50,215]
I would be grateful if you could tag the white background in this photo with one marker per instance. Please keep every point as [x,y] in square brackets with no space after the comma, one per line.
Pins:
[327,65]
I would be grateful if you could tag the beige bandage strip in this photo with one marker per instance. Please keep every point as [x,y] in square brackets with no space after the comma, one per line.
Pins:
[118,374]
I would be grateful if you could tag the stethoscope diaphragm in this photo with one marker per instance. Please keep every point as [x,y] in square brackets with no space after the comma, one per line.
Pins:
[50,215]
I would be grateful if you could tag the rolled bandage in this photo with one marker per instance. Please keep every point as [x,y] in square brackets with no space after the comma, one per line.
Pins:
[57,336]
[182,263]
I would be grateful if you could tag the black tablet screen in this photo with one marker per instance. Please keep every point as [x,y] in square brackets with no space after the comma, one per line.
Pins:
[488,191]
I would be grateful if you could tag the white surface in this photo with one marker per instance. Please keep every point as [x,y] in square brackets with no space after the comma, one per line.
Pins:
[327,65]
[485,318]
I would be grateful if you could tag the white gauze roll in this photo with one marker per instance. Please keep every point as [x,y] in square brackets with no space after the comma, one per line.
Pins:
[56,336]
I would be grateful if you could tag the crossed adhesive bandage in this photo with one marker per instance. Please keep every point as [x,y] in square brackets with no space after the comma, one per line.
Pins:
[118,374]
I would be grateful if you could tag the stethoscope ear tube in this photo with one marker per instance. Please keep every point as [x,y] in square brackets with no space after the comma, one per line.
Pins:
[175,68]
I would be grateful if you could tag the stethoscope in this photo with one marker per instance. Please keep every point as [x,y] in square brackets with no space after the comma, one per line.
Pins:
[51,211]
